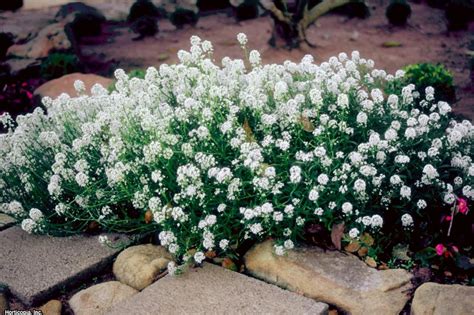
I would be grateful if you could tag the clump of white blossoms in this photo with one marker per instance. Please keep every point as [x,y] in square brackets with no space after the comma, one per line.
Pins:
[222,153]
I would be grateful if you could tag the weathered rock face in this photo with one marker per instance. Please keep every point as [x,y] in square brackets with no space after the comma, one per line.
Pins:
[137,266]
[53,307]
[51,37]
[100,298]
[332,277]
[439,299]
[65,84]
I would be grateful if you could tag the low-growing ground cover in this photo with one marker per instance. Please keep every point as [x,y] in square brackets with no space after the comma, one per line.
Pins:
[215,157]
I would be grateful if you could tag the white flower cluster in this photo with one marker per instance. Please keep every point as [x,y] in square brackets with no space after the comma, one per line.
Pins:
[223,153]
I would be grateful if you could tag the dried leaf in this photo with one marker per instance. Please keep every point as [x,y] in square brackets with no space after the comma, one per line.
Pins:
[307,124]
[337,232]
[367,239]
[383,266]
[148,216]
[248,131]
[210,254]
[371,262]
[391,43]
[163,57]
[229,264]
[362,251]
[93,227]
[352,247]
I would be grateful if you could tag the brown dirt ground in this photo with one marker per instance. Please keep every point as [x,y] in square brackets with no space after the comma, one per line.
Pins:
[424,39]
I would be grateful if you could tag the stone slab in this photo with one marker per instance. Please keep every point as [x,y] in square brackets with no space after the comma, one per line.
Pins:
[332,277]
[34,266]
[215,290]
[6,221]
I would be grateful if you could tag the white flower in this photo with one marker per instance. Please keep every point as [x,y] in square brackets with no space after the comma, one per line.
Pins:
[354,233]
[172,268]
[256,228]
[199,257]
[36,214]
[28,225]
[405,192]
[295,174]
[82,179]
[278,216]
[313,194]
[242,38]
[359,185]
[15,208]
[421,204]
[279,250]
[288,244]
[376,221]
[407,220]
[323,179]
[361,118]
[254,58]
[347,208]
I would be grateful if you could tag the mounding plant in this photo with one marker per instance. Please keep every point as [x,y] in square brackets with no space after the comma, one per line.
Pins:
[182,16]
[213,158]
[58,64]
[83,19]
[424,75]
[245,9]
[459,13]
[398,12]
[143,18]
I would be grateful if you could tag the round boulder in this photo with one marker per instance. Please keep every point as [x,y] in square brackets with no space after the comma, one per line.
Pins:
[99,298]
[65,84]
[138,266]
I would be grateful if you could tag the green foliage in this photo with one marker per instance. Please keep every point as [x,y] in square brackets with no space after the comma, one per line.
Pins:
[59,64]
[437,76]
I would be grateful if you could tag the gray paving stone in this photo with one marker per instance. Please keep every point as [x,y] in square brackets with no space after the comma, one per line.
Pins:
[6,221]
[34,267]
[215,290]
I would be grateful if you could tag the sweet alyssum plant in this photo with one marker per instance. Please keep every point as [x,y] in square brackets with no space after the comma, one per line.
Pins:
[213,155]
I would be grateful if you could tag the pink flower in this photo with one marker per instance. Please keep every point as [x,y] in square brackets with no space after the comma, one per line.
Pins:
[462,206]
[440,249]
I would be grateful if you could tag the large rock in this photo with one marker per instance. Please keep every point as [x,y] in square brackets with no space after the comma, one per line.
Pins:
[53,307]
[332,277]
[23,67]
[34,267]
[6,221]
[51,37]
[99,298]
[439,299]
[215,290]
[138,266]
[65,84]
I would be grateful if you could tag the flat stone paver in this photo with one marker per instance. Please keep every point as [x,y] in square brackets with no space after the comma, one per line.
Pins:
[6,221]
[36,266]
[215,290]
